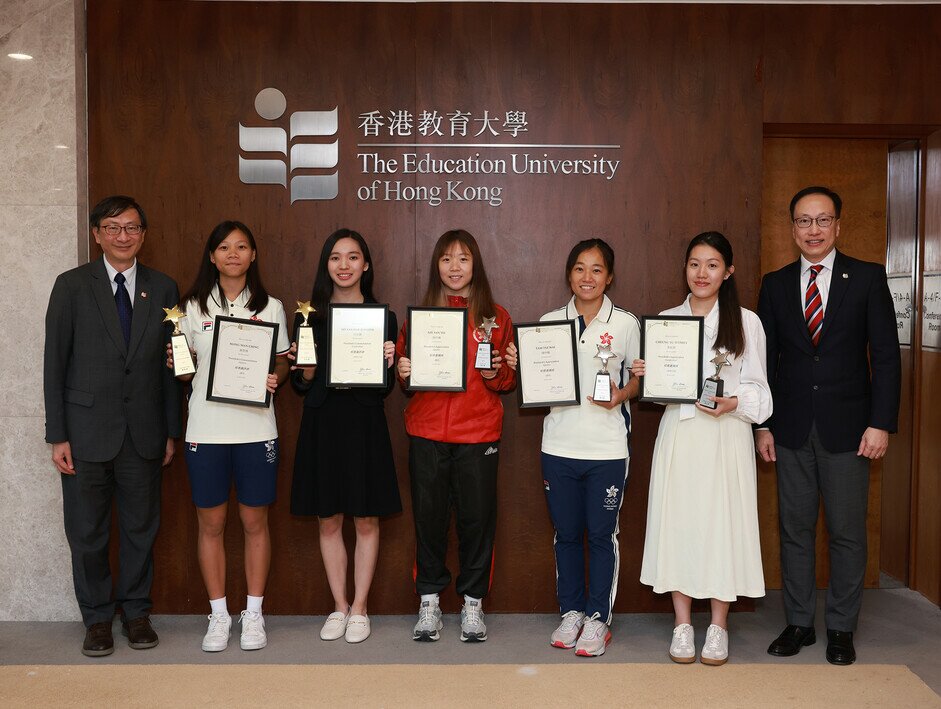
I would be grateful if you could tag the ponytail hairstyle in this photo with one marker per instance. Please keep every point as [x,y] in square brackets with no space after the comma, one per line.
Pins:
[323,284]
[731,334]
[480,303]
[207,279]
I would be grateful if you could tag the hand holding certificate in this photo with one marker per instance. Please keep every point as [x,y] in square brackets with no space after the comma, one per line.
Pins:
[547,366]
[671,346]
[243,354]
[437,348]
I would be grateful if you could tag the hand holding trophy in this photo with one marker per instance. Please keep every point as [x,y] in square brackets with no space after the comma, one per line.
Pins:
[484,358]
[713,385]
[306,355]
[183,363]
[603,378]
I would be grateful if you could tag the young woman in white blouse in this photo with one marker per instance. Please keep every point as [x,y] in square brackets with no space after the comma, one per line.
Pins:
[702,515]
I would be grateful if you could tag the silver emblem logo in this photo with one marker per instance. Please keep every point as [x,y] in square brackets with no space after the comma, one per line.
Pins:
[270,105]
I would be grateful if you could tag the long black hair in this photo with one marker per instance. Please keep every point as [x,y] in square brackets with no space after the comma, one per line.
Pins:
[731,335]
[323,284]
[207,279]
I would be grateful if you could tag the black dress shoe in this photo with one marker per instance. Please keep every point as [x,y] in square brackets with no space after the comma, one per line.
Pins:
[791,640]
[840,650]
[139,632]
[98,640]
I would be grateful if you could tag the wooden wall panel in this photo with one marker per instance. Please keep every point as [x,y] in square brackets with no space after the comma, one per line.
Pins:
[842,64]
[926,552]
[683,89]
[856,170]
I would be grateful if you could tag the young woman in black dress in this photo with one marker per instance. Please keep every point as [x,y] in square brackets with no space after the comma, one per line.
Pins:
[343,466]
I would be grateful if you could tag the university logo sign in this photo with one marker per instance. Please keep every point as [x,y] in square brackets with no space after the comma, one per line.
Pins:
[305,154]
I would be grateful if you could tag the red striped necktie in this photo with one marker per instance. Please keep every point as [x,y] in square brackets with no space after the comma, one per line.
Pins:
[813,305]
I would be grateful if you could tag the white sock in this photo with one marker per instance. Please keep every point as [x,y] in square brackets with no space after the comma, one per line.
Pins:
[218,606]
[253,604]
[433,597]
[471,599]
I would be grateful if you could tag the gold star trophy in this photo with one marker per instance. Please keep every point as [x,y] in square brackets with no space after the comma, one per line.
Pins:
[306,355]
[714,384]
[183,363]
[484,359]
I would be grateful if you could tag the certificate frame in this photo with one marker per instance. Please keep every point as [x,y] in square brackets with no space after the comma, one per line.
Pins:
[565,337]
[340,314]
[688,332]
[270,330]
[419,319]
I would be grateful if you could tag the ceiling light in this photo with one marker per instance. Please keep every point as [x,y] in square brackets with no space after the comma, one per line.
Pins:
[21,57]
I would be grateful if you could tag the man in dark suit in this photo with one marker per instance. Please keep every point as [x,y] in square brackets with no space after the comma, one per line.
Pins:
[835,372]
[112,411]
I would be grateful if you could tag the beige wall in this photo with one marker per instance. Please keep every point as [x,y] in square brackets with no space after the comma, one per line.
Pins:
[40,200]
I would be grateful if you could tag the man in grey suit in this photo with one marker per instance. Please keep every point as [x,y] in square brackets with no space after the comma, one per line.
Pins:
[835,373]
[112,411]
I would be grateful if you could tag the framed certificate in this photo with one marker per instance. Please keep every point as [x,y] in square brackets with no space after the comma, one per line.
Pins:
[671,347]
[548,363]
[437,347]
[355,357]
[242,357]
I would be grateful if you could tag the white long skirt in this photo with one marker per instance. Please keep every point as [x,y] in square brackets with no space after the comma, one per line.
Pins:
[702,511]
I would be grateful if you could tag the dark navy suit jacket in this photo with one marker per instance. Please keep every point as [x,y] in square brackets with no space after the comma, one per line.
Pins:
[851,380]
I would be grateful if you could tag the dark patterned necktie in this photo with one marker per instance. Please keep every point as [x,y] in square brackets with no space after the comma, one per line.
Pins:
[125,310]
[813,305]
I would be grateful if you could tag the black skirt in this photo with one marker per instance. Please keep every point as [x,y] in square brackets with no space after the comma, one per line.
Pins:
[344,461]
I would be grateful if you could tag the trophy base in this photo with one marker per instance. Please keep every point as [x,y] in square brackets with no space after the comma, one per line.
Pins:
[602,387]
[484,358]
[183,363]
[711,387]
[306,355]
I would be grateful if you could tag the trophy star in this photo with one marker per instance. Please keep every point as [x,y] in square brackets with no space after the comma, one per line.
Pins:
[174,314]
[721,360]
[305,309]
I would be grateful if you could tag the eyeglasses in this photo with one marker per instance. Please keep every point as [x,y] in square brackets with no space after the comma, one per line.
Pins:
[823,221]
[115,229]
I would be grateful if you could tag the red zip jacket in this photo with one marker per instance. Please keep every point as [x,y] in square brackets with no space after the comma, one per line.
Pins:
[472,416]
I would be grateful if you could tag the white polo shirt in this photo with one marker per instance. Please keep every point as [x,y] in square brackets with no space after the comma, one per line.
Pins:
[216,421]
[588,431]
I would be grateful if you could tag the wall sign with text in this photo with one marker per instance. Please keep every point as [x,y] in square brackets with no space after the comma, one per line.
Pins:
[458,155]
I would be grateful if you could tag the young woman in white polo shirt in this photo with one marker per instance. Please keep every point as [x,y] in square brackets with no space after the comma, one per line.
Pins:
[230,441]
[585,453]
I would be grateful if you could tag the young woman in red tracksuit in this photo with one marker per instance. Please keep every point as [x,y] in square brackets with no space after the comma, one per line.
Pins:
[454,440]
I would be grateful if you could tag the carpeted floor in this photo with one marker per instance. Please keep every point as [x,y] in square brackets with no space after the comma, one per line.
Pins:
[897,644]
[462,686]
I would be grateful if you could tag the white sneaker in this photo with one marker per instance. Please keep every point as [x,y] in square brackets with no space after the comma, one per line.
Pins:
[253,631]
[683,647]
[429,622]
[216,638]
[594,638]
[716,649]
[473,629]
[568,631]
[335,626]
[357,628]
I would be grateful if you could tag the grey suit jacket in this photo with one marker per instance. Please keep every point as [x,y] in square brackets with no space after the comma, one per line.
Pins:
[96,387]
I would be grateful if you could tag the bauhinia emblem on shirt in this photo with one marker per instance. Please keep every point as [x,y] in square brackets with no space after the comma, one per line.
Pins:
[607,339]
